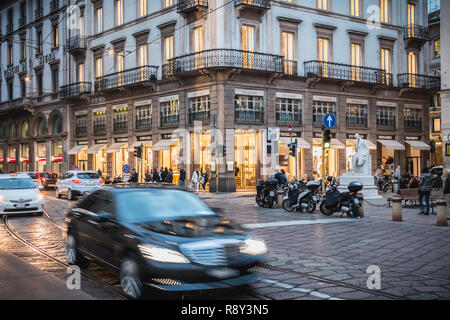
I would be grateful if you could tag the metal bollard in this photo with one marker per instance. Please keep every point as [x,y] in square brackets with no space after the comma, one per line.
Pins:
[441,213]
[280,197]
[360,212]
[396,208]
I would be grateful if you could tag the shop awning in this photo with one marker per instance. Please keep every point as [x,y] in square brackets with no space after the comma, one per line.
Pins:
[76,149]
[94,148]
[372,146]
[301,143]
[115,147]
[163,145]
[137,143]
[418,145]
[392,144]
[336,144]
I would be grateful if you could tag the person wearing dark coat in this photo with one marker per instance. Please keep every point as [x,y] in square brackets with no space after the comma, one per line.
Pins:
[148,176]
[181,181]
[155,175]
[164,175]
[169,177]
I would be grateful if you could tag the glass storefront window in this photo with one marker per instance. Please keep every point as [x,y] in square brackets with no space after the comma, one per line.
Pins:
[12,131]
[42,128]
[81,159]
[386,117]
[169,112]
[58,124]
[201,150]
[171,159]
[57,152]
[41,160]
[24,158]
[120,158]
[99,122]
[286,162]
[331,160]
[144,117]
[100,161]
[356,115]
[24,132]
[246,158]
[120,119]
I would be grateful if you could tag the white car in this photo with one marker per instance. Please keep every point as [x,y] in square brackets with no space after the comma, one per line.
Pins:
[19,194]
[76,183]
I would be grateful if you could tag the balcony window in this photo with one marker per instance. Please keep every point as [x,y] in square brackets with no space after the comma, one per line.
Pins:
[436,125]
[289,111]
[412,68]
[248,46]
[39,41]
[142,8]
[144,117]
[99,20]
[99,67]
[355,8]
[99,122]
[119,12]
[437,48]
[324,55]
[55,34]
[10,54]
[322,4]
[412,119]
[199,109]
[356,57]
[55,80]
[356,115]
[170,112]
[385,11]
[120,119]
[167,3]
[248,108]
[385,65]
[320,109]
[386,117]
[81,125]
[287,39]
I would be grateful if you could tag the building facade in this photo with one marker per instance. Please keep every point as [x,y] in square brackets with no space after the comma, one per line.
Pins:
[181,78]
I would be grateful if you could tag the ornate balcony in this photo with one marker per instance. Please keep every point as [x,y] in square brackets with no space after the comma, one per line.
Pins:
[54,5]
[145,123]
[99,128]
[81,131]
[261,4]
[189,6]
[346,72]
[248,115]
[222,59]
[386,124]
[136,76]
[419,81]
[359,122]
[120,126]
[169,120]
[198,116]
[22,21]
[285,117]
[9,28]
[77,44]
[38,13]
[415,36]
[75,90]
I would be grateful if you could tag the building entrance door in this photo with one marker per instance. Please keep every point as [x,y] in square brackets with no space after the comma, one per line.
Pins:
[246,159]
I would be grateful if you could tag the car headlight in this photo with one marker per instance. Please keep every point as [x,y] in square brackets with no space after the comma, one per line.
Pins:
[38,196]
[253,247]
[162,254]
[2,198]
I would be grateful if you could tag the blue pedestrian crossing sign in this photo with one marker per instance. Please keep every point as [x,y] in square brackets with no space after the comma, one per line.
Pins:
[329,120]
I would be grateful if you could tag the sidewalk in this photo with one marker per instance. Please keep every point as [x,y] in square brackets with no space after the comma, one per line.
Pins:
[21,281]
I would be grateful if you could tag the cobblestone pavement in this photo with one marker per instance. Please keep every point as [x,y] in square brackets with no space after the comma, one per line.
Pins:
[311,256]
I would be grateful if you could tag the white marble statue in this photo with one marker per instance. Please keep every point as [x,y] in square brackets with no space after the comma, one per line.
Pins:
[361,160]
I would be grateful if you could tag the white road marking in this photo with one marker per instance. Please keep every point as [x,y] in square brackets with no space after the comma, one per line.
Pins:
[299,289]
[295,223]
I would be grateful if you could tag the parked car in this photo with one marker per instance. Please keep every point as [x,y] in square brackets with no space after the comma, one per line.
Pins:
[76,183]
[48,179]
[161,237]
[34,176]
[20,195]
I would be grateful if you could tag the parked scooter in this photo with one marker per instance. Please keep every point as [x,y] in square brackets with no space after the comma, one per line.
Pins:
[345,202]
[117,180]
[266,193]
[301,196]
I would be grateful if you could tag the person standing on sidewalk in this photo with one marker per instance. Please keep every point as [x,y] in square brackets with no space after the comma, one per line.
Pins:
[182,179]
[425,187]
[446,188]
[195,179]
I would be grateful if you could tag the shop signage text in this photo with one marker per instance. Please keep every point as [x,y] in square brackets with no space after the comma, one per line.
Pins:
[82,143]
[167,136]
[57,158]
[324,98]
[287,95]
[101,141]
[352,135]
[2,159]
[386,137]
[246,92]
[11,159]
[143,103]
[144,138]
[11,70]
[169,98]
[287,134]
[42,158]
[119,140]
[357,101]
[196,94]
[25,159]
[386,104]
[447,149]
[412,138]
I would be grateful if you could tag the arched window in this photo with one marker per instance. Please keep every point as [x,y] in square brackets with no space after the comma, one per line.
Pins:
[42,128]
[57,124]
[24,132]
[12,130]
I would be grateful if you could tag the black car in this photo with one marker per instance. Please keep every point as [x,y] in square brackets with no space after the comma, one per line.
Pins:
[161,237]
[48,179]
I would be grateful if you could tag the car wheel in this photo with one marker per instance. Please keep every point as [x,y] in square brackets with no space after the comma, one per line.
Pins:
[58,195]
[130,279]
[287,206]
[69,195]
[73,256]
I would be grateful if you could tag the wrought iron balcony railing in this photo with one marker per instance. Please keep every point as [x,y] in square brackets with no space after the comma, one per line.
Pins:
[75,89]
[169,120]
[256,3]
[360,122]
[419,81]
[416,32]
[22,21]
[77,43]
[198,116]
[413,124]
[80,131]
[347,72]
[186,6]
[290,67]
[289,117]
[223,58]
[9,28]
[54,5]
[386,123]
[125,78]
[144,123]
[38,13]
[99,128]
[246,115]
[120,125]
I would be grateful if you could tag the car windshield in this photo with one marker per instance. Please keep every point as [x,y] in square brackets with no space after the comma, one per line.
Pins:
[87,175]
[32,175]
[17,183]
[158,205]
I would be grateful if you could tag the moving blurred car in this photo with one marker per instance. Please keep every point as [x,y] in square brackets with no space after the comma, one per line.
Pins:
[75,183]
[48,179]
[34,176]
[19,194]
[166,238]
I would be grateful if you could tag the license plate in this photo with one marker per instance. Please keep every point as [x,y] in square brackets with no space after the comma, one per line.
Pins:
[223,273]
[271,193]
[89,183]
[20,205]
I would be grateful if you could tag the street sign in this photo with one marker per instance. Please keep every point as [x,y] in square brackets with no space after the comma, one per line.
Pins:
[273,134]
[290,129]
[126,168]
[447,149]
[126,177]
[329,120]
[75,168]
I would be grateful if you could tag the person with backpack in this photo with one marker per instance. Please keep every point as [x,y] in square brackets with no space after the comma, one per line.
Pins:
[425,187]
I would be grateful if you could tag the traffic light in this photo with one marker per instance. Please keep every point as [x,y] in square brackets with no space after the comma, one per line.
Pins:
[139,152]
[136,151]
[222,150]
[293,149]
[327,138]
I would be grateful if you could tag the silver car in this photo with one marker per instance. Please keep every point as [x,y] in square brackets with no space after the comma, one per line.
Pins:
[76,183]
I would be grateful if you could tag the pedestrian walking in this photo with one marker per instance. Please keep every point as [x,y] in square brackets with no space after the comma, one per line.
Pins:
[425,187]
[169,177]
[155,175]
[164,175]
[99,173]
[148,176]
[195,179]
[181,181]
[204,181]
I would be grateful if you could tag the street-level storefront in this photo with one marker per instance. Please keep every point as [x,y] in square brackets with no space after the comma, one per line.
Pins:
[414,159]
[2,160]
[146,162]
[350,149]
[119,156]
[98,153]
[386,147]
[41,156]
[247,146]
[201,150]
[80,155]
[287,162]
[57,157]
[168,149]
[12,158]
[331,156]
[24,157]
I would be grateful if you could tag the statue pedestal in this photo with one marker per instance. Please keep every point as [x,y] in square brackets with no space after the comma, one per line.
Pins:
[369,190]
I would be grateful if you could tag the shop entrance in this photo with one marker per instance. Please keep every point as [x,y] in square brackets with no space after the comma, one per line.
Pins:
[331,160]
[170,158]
[245,153]
[386,159]
[413,165]
[287,162]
